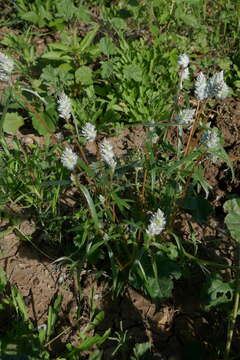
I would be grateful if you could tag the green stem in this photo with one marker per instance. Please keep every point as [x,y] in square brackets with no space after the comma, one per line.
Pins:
[233,316]
[5,109]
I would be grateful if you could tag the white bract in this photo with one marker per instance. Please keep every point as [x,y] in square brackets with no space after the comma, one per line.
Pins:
[89,132]
[201,87]
[213,140]
[157,223]
[215,87]
[6,67]
[64,106]
[185,116]
[183,61]
[102,199]
[107,153]
[69,159]
[185,74]
[59,136]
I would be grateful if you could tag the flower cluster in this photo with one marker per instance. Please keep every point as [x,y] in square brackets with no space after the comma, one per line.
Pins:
[185,116]
[69,159]
[64,106]
[157,224]
[107,153]
[215,87]
[183,62]
[89,132]
[6,67]
[212,140]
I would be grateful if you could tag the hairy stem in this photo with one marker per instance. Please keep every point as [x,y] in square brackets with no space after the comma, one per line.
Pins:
[233,315]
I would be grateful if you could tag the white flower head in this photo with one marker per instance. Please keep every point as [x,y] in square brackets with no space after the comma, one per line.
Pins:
[64,106]
[183,61]
[89,132]
[59,136]
[107,153]
[6,67]
[201,87]
[217,86]
[69,159]
[157,223]
[185,74]
[185,116]
[102,199]
[213,140]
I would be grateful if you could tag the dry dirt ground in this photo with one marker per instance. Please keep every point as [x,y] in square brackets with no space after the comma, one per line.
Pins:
[177,328]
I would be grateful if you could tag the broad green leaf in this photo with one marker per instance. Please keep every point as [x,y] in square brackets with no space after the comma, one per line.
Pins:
[107,47]
[82,13]
[199,207]
[43,123]
[189,19]
[133,72]
[84,75]
[66,9]
[107,69]
[232,220]
[118,23]
[216,291]
[31,16]
[12,122]
[154,274]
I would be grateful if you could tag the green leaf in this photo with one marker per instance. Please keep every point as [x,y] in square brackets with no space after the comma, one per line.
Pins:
[133,72]
[12,122]
[66,9]
[59,46]
[43,123]
[19,303]
[97,319]
[86,42]
[107,47]
[232,220]
[3,280]
[222,154]
[84,75]
[56,55]
[89,343]
[153,273]
[30,16]
[216,291]
[189,20]
[118,23]
[83,14]
[107,69]
[91,206]
[142,351]
[199,207]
